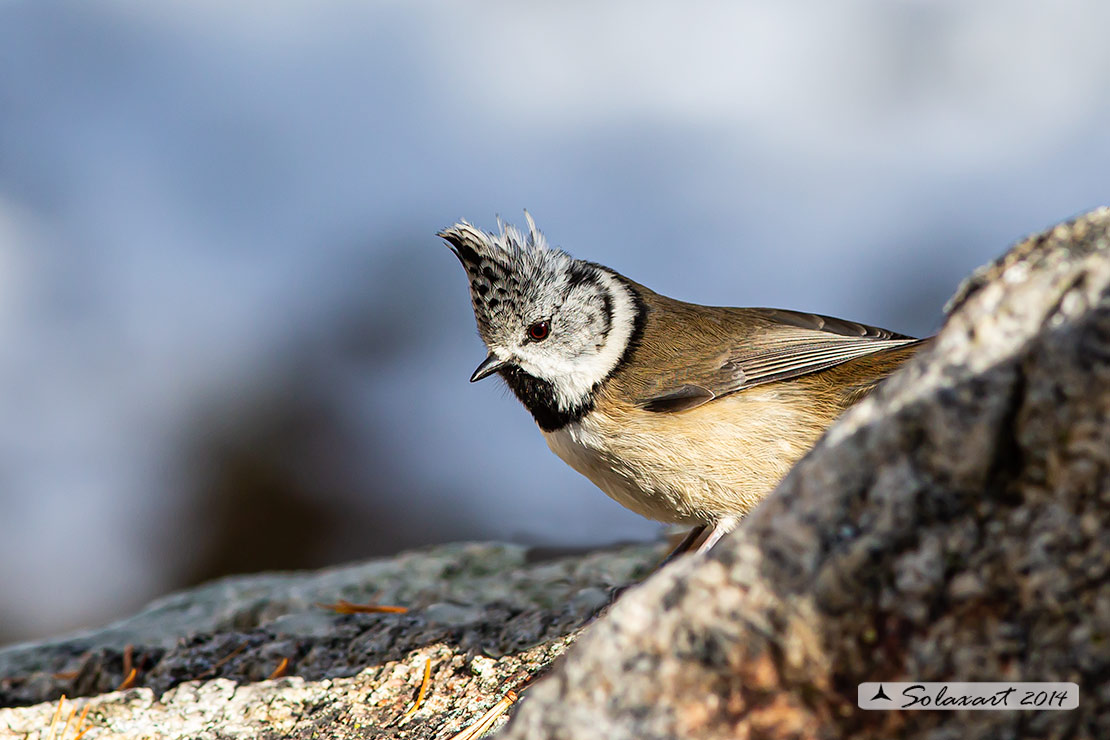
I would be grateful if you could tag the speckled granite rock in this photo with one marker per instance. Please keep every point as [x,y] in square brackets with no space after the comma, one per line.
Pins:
[955,526]
[487,616]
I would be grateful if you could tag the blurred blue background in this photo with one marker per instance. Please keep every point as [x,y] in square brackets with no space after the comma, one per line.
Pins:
[230,341]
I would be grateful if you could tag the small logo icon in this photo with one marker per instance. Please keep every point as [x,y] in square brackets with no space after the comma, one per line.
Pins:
[880,694]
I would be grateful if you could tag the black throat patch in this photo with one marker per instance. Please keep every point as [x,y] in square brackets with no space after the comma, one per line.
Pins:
[538,396]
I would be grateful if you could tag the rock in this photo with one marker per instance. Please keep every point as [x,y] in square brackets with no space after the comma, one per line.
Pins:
[485,619]
[954,526]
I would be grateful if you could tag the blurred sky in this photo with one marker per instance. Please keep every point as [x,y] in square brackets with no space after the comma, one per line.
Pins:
[229,338]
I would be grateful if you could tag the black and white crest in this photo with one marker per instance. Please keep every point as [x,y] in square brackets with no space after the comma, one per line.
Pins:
[518,283]
[508,271]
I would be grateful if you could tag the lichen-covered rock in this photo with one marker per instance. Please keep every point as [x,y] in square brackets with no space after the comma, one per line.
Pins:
[955,526]
[483,619]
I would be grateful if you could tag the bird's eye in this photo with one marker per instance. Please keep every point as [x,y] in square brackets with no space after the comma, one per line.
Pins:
[538,331]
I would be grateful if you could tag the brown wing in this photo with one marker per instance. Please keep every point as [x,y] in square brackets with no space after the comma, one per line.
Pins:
[767,345]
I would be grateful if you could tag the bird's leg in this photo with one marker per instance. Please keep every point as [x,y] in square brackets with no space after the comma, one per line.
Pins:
[720,529]
[683,547]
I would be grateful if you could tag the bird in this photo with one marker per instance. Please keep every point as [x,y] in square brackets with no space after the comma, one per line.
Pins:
[684,413]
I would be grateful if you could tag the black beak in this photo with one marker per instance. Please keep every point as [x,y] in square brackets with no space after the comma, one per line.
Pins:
[489,366]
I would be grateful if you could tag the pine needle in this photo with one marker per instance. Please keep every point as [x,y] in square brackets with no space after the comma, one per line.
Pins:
[423,690]
[129,681]
[486,720]
[57,714]
[281,670]
[346,607]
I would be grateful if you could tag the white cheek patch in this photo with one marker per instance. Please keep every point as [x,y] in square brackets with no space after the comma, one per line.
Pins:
[574,380]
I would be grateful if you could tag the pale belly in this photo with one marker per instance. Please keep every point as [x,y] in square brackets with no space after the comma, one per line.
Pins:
[692,468]
[621,480]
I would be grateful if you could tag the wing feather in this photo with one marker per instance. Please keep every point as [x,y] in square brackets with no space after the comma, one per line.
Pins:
[781,345]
